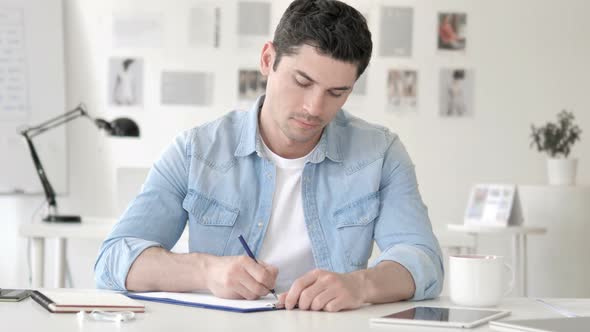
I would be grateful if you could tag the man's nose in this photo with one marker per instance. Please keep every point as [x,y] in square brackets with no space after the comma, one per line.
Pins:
[313,102]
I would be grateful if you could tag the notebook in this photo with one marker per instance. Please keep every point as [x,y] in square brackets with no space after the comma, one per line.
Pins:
[564,324]
[209,301]
[62,301]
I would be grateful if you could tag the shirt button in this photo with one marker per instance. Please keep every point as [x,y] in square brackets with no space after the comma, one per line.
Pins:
[260,224]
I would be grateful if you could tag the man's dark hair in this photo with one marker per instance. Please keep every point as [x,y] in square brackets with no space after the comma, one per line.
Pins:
[332,27]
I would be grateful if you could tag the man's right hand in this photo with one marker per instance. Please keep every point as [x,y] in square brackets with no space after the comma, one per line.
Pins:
[239,277]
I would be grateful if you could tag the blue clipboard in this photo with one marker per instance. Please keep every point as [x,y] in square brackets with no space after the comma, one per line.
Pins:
[172,300]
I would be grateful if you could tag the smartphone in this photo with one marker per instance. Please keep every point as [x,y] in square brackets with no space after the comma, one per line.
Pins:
[13,295]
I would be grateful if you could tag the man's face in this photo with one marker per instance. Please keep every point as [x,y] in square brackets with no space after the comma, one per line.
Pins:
[304,93]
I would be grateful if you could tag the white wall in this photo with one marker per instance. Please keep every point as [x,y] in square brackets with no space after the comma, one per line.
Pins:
[530,61]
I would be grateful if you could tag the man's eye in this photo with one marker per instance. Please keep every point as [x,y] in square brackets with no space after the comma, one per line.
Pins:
[334,94]
[301,83]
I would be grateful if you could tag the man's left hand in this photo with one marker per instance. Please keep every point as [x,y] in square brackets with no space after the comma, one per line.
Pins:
[324,290]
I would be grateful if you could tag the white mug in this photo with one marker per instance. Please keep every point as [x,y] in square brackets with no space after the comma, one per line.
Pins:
[477,280]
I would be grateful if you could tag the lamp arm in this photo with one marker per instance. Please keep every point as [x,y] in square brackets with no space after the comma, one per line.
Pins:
[56,121]
[31,132]
[47,188]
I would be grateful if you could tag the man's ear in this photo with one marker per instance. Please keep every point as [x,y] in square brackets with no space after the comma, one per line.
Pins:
[267,58]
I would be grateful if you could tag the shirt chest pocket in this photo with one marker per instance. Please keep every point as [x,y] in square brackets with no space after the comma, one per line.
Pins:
[210,223]
[355,226]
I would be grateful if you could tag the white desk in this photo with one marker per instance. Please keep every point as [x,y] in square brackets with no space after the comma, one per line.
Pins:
[30,316]
[89,228]
[559,260]
[519,246]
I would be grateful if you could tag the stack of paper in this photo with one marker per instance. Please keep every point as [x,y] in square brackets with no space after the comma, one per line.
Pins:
[59,300]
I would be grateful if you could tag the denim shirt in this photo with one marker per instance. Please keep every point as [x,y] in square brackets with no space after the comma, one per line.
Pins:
[358,187]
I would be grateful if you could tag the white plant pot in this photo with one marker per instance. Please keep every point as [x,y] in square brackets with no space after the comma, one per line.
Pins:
[561,171]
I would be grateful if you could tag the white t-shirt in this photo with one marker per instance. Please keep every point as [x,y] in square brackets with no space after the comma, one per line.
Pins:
[286,244]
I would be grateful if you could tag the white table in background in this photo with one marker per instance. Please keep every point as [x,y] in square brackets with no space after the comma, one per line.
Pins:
[519,246]
[89,228]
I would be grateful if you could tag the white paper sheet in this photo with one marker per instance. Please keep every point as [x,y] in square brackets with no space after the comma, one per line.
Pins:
[13,64]
[396,31]
[187,88]
[253,23]
[137,31]
[204,26]
[209,299]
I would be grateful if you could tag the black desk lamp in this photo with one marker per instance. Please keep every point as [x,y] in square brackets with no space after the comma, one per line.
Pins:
[121,127]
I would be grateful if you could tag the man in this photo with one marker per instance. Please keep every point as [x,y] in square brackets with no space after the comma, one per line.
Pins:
[309,186]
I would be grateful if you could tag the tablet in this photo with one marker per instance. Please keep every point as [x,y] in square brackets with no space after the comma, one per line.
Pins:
[442,316]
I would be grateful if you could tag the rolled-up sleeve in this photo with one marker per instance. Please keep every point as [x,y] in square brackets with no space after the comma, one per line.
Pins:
[403,231]
[154,218]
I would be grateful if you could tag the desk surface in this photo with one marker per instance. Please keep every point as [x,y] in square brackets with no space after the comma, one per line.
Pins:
[27,315]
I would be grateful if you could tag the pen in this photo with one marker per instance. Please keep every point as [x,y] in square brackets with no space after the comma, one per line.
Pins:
[249,252]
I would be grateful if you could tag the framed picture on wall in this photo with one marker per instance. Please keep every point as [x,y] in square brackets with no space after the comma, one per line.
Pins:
[452,28]
[456,92]
[251,84]
[402,90]
[125,81]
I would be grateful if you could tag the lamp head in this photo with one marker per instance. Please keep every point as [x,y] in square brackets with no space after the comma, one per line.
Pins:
[120,127]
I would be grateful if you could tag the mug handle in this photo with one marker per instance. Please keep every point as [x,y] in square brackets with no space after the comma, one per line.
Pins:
[512,281]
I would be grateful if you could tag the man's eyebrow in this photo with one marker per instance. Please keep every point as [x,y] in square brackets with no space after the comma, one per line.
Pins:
[339,88]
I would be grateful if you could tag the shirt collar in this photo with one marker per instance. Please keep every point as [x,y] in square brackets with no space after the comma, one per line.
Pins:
[328,146]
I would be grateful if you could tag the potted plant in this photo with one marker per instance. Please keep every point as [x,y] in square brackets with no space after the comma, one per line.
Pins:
[557,139]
